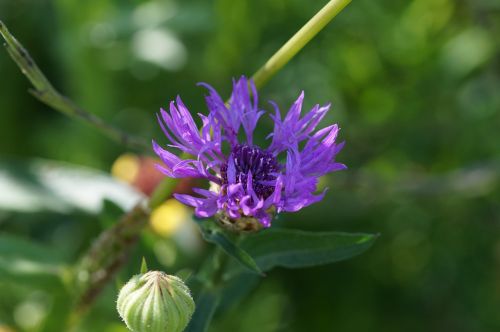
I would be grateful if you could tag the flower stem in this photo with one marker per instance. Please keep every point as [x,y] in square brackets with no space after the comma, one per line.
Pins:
[298,41]
[47,94]
[105,257]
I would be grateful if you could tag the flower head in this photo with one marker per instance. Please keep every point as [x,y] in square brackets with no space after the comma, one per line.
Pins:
[249,183]
[155,302]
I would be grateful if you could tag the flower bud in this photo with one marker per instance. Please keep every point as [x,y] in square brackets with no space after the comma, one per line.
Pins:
[155,302]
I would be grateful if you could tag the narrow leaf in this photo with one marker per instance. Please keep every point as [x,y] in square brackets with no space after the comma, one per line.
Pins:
[241,256]
[144,266]
[298,249]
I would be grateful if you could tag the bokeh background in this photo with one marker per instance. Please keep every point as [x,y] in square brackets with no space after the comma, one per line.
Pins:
[415,86]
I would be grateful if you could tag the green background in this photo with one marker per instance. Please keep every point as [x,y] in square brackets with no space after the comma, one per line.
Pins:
[415,87]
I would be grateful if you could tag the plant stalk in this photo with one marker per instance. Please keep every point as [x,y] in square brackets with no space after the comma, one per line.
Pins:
[298,41]
[47,94]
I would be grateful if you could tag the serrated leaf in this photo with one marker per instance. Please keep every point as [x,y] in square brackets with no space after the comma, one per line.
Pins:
[297,249]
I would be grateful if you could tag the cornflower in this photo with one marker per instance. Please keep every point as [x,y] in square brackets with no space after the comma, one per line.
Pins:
[249,184]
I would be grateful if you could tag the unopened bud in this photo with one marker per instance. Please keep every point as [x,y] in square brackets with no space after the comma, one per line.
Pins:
[155,302]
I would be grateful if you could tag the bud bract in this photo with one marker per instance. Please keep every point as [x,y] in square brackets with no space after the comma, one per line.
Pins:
[155,302]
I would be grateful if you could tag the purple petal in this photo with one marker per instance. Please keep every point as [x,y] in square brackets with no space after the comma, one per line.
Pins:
[229,120]
[204,207]
[264,218]
[175,167]
[231,170]
[245,107]
[293,130]
[293,204]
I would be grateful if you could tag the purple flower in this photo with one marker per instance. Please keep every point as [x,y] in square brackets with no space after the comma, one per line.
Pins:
[248,182]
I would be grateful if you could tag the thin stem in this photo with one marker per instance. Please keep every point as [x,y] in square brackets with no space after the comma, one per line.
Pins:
[47,94]
[211,268]
[298,41]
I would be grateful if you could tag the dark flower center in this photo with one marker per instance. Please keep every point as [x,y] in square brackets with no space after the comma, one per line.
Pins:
[262,165]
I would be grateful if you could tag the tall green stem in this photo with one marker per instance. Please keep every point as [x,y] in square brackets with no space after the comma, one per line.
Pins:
[47,94]
[298,41]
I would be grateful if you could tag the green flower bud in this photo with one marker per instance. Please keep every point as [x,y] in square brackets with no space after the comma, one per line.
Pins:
[155,302]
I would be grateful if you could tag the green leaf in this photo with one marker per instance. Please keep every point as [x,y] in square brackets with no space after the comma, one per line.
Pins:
[297,249]
[236,252]
[213,235]
[205,307]
[144,266]
[27,263]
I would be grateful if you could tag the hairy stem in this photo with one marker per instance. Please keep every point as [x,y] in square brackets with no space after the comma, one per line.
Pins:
[298,41]
[107,255]
[47,94]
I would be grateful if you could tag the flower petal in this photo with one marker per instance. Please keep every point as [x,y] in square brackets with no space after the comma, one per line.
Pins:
[204,207]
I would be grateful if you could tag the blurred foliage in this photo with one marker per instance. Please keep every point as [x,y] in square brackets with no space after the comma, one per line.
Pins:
[414,85]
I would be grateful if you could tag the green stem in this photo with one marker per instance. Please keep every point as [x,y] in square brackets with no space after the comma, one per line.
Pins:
[47,94]
[298,41]
[212,268]
[105,257]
